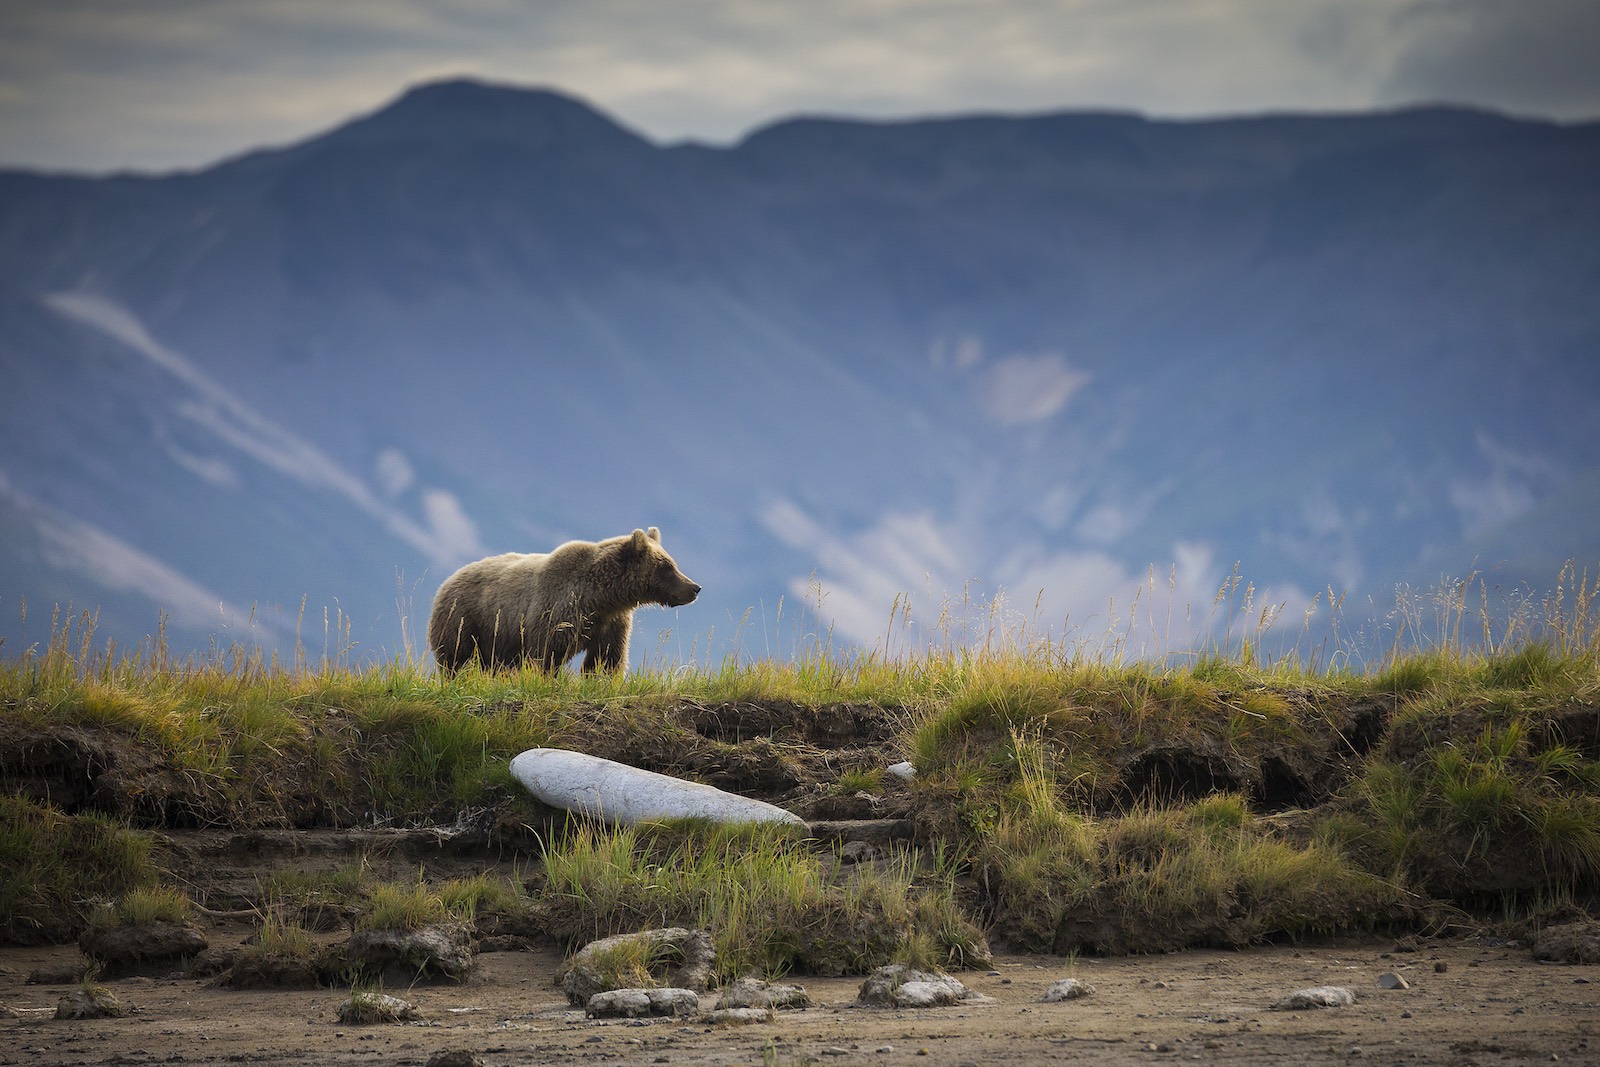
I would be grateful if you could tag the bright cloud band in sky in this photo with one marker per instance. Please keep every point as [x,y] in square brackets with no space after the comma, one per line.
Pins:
[152,84]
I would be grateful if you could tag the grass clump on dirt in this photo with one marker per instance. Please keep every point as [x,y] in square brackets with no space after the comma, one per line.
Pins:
[144,905]
[54,866]
[771,902]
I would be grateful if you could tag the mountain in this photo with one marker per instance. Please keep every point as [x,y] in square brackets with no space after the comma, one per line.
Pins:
[1058,357]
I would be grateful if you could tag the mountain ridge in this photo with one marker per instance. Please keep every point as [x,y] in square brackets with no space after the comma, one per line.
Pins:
[1056,349]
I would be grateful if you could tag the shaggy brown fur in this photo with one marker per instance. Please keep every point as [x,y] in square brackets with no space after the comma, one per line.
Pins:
[546,607]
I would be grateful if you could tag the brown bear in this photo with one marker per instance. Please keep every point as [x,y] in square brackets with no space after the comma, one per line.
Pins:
[546,607]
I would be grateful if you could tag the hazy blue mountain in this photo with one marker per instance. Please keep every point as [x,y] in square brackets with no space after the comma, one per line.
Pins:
[1050,355]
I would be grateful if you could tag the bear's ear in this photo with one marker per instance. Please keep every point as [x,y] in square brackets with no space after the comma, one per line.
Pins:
[655,534]
[640,541]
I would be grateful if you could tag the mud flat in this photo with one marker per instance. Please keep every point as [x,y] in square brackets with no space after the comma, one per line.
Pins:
[1468,1001]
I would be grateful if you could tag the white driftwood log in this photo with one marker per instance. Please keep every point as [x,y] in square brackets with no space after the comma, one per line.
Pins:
[617,793]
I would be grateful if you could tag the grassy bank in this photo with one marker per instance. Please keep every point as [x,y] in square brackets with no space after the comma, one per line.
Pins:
[1064,800]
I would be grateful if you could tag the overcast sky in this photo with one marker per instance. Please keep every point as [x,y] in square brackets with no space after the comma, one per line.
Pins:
[159,84]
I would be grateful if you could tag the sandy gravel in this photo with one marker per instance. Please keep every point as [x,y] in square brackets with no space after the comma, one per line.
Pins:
[1468,1003]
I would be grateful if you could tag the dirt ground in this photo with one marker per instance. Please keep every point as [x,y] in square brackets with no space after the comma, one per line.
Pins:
[1468,1002]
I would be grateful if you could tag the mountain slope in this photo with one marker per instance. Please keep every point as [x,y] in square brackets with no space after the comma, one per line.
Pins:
[1041,354]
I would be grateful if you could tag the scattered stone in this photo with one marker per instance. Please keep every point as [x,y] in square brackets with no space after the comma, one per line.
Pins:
[858,852]
[90,1002]
[1574,942]
[1322,996]
[633,1003]
[1440,966]
[738,1016]
[899,986]
[687,958]
[903,770]
[125,949]
[752,992]
[1066,989]
[367,1008]
[212,961]
[70,973]
[1390,980]
[455,1057]
[440,950]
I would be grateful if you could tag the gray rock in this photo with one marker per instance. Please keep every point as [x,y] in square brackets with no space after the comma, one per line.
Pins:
[440,950]
[367,1008]
[686,961]
[633,1003]
[156,944]
[69,973]
[1575,942]
[750,992]
[1390,980]
[738,1016]
[1066,989]
[626,1003]
[89,1002]
[455,1057]
[858,852]
[1322,996]
[900,986]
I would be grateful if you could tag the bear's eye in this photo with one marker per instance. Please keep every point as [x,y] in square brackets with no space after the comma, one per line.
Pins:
[665,570]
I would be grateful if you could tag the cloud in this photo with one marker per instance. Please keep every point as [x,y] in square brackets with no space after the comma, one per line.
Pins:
[217,471]
[1022,389]
[233,422]
[911,581]
[1490,504]
[1507,490]
[1531,56]
[162,83]
[454,534]
[72,544]
[394,471]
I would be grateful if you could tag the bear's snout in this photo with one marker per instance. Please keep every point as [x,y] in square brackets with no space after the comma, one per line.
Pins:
[684,595]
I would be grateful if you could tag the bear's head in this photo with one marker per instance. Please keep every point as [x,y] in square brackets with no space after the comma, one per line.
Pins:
[657,574]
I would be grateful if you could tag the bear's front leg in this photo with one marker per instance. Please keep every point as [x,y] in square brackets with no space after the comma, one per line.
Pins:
[608,645]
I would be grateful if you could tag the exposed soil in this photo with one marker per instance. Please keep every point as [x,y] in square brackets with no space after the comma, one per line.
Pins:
[1491,1004]
[1470,1000]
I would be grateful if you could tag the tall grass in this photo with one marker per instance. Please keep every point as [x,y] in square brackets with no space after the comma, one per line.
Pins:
[771,902]
[1480,781]
[56,869]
